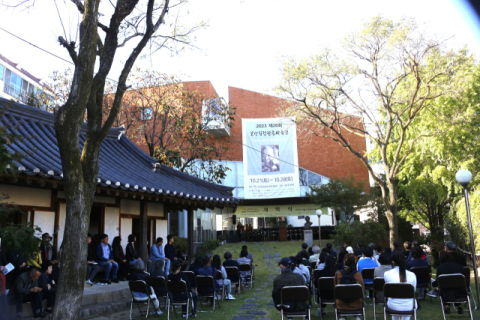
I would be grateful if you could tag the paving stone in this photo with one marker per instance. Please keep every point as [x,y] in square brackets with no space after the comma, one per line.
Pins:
[270,304]
[243,317]
[258,313]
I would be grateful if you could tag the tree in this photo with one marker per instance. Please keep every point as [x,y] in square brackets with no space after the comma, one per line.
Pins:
[387,77]
[343,195]
[175,123]
[93,56]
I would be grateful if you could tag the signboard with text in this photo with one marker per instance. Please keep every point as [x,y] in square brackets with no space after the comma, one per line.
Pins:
[278,211]
[270,158]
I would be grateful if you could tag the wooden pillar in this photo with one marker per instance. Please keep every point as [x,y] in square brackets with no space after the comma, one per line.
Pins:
[190,248]
[143,232]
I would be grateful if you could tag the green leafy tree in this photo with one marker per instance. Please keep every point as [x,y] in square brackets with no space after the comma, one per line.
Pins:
[386,77]
[344,195]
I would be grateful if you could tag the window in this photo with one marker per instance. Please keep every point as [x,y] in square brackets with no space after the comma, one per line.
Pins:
[13,83]
[2,68]
[146,114]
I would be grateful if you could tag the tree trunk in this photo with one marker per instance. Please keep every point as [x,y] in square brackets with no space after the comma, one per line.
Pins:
[143,232]
[190,246]
[391,203]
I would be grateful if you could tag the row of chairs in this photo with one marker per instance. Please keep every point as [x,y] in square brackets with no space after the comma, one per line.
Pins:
[390,290]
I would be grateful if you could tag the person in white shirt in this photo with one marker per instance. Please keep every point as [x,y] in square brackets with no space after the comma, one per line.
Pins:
[216,264]
[296,269]
[399,274]
[316,254]
[302,267]
[321,260]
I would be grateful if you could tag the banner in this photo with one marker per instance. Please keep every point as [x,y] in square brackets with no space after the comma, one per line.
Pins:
[279,211]
[270,158]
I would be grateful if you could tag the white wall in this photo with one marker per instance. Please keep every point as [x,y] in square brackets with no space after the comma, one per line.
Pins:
[62,214]
[27,196]
[112,216]
[326,220]
[126,229]
[45,220]
[162,230]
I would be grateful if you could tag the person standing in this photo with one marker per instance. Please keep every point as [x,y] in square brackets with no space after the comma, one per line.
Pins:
[92,266]
[48,254]
[170,252]
[105,260]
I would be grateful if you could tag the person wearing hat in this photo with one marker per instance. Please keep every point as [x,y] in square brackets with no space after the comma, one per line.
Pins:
[48,254]
[286,278]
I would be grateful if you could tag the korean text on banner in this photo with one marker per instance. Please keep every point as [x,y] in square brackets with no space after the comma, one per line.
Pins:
[270,158]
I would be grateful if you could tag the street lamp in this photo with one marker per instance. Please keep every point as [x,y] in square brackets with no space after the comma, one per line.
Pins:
[319,214]
[464,177]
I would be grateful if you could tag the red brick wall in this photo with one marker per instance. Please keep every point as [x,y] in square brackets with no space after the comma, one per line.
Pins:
[320,155]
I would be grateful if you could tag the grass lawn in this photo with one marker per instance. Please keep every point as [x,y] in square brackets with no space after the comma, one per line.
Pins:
[259,298]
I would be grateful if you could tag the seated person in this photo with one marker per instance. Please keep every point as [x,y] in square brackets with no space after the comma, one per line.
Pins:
[359,251]
[19,260]
[229,262]
[216,264]
[156,253]
[26,289]
[177,275]
[304,248]
[35,260]
[349,271]
[287,278]
[105,260]
[158,271]
[138,273]
[451,247]
[48,254]
[385,265]
[296,269]
[448,266]
[376,251]
[304,257]
[132,255]
[207,270]
[92,266]
[46,284]
[341,259]
[124,267]
[316,254]
[400,274]
[396,247]
[249,256]
[244,260]
[417,261]
[407,245]
[197,264]
[321,260]
[329,246]
[415,243]
[301,266]
[328,271]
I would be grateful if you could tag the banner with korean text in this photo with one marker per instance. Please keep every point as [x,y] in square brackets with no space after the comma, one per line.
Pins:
[284,210]
[270,158]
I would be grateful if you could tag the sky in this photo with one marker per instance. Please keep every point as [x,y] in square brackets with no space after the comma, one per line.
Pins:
[245,40]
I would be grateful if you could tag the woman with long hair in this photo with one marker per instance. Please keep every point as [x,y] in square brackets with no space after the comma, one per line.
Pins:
[178,275]
[329,270]
[132,254]
[217,264]
[350,270]
[124,267]
[400,274]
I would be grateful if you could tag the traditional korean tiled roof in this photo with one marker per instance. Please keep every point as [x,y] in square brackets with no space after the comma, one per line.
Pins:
[122,164]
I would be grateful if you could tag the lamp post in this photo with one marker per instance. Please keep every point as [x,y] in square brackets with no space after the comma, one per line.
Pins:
[319,214]
[464,177]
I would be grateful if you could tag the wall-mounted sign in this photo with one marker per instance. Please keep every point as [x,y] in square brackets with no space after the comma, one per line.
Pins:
[270,158]
[279,211]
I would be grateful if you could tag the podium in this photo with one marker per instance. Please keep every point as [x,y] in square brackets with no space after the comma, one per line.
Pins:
[308,237]
[282,233]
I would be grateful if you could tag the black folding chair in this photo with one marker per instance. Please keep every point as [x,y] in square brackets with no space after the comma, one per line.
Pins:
[349,292]
[295,294]
[467,275]
[452,282]
[378,284]
[398,291]
[314,276]
[233,273]
[425,274]
[368,273]
[220,277]
[248,279]
[204,283]
[139,287]
[159,282]
[325,286]
[177,288]
[191,278]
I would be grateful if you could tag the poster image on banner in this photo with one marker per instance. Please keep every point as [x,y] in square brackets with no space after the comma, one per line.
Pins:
[270,158]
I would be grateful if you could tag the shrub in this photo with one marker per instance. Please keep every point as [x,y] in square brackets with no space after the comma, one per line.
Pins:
[368,231]
[224,237]
[208,246]
[180,243]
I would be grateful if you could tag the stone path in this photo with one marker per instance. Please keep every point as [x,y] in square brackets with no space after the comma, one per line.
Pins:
[256,306]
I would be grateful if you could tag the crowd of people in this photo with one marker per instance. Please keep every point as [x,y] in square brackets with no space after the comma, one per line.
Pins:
[392,264]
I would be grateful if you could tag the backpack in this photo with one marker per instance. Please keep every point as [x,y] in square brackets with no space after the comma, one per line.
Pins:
[348,278]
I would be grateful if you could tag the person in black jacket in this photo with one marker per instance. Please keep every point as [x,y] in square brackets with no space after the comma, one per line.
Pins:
[124,267]
[19,260]
[328,271]
[229,262]
[47,286]
[139,273]
[448,266]
[48,254]
[359,250]
[92,266]
[177,275]
[26,289]
[170,249]
[197,264]
[132,254]
[451,247]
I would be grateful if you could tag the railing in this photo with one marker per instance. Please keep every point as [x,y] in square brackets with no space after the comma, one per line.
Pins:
[468,256]
[15,93]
